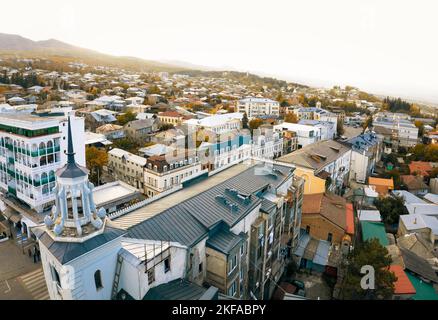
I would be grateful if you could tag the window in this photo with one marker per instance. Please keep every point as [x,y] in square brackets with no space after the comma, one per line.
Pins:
[200,267]
[242,249]
[329,237]
[232,264]
[55,276]
[151,276]
[98,280]
[166,265]
[307,229]
[232,289]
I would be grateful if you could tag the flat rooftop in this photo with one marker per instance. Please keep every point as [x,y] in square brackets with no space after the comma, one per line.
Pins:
[110,192]
[137,216]
[26,117]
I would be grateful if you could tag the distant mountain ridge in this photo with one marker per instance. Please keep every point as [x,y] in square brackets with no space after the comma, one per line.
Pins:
[19,43]
[16,45]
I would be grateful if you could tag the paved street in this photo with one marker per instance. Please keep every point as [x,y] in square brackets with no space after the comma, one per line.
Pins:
[18,274]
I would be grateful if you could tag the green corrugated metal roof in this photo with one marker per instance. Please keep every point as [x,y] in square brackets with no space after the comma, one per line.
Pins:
[372,230]
[425,291]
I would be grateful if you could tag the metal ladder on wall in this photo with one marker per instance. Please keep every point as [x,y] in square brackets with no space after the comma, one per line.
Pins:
[117,277]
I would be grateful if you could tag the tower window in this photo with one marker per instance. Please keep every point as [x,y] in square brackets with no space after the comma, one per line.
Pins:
[55,276]
[151,276]
[166,265]
[98,280]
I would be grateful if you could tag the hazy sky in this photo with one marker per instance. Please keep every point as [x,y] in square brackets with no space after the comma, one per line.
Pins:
[385,46]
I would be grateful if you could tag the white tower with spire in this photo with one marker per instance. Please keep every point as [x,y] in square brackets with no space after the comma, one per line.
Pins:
[74,207]
[79,248]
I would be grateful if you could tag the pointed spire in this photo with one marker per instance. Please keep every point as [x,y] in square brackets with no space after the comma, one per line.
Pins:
[70,152]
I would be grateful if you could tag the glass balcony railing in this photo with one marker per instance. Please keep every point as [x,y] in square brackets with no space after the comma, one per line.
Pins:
[34,153]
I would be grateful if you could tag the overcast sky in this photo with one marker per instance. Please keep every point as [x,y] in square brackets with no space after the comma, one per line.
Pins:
[385,46]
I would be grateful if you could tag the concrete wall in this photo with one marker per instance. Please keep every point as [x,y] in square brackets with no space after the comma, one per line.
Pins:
[134,279]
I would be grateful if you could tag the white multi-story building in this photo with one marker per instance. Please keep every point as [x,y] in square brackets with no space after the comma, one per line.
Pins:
[366,151]
[218,124]
[127,167]
[161,175]
[401,132]
[255,107]
[328,129]
[31,150]
[267,146]
[305,134]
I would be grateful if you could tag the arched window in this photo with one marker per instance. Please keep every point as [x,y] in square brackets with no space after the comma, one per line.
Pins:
[42,145]
[98,280]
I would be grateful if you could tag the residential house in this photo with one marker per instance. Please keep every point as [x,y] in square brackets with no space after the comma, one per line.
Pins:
[219,123]
[141,129]
[255,107]
[414,184]
[111,131]
[127,167]
[381,186]
[172,117]
[366,152]
[327,129]
[402,132]
[421,168]
[324,165]
[421,224]
[328,217]
[305,134]
[160,175]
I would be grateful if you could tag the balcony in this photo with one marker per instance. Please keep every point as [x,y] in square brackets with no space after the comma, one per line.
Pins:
[12,190]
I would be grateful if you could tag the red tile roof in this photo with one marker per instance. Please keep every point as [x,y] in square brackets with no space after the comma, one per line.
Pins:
[421,167]
[403,285]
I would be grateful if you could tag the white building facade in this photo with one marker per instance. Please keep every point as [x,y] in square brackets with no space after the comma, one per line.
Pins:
[255,107]
[31,150]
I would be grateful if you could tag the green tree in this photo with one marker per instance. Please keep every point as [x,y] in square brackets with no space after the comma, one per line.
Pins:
[245,121]
[127,144]
[371,253]
[166,126]
[368,123]
[340,128]
[126,117]
[255,123]
[391,208]
[95,159]
[290,118]
[420,127]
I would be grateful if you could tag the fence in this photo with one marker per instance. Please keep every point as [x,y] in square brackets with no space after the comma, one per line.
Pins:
[143,203]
